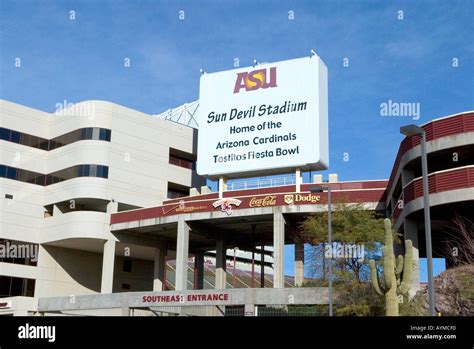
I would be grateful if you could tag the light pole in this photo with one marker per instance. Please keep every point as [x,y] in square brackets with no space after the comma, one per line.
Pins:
[320,189]
[412,130]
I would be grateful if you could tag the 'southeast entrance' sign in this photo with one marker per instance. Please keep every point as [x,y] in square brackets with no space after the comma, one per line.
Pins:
[264,120]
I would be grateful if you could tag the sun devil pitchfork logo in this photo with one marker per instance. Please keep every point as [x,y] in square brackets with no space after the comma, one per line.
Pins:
[226,205]
[256,79]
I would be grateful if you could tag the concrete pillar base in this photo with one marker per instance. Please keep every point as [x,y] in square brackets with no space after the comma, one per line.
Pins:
[108,262]
[159,269]
[278,250]
[299,263]
[199,271]
[249,310]
[182,248]
[221,264]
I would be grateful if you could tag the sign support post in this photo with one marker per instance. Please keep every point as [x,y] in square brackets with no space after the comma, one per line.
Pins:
[222,186]
[298,180]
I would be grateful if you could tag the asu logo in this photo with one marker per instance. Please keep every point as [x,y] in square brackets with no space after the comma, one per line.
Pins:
[255,79]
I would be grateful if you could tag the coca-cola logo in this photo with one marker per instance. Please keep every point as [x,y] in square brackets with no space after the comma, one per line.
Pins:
[269,200]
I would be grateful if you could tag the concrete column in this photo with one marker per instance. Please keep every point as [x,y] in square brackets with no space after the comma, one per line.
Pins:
[262,266]
[112,207]
[222,186]
[249,310]
[299,263]
[220,265]
[108,261]
[411,233]
[199,271]
[407,176]
[159,269]
[278,249]
[125,311]
[298,180]
[318,178]
[182,247]
[44,285]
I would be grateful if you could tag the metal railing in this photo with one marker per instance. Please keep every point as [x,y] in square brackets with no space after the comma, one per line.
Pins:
[261,183]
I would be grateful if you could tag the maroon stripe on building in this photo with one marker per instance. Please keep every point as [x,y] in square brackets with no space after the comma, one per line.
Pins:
[278,197]
[441,182]
[457,124]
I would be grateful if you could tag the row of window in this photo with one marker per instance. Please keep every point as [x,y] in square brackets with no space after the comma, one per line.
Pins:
[55,177]
[177,191]
[181,158]
[172,194]
[13,286]
[91,133]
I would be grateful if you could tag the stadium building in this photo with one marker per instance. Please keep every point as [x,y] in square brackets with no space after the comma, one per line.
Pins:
[100,199]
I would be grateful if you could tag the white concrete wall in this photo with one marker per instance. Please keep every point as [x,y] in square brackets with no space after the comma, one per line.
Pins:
[19,306]
[65,272]
[140,279]
[137,157]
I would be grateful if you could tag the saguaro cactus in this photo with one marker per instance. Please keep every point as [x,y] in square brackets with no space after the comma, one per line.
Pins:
[397,274]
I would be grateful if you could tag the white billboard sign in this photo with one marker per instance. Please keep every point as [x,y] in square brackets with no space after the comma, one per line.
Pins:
[267,119]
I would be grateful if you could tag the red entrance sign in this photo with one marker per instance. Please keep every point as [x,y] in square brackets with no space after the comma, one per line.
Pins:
[179,298]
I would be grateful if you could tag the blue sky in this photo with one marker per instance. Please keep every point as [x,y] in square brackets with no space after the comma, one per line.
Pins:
[407,60]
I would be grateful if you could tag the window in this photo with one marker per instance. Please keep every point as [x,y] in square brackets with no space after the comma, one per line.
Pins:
[174,160]
[102,171]
[104,135]
[127,265]
[4,134]
[182,159]
[44,145]
[92,170]
[9,196]
[84,170]
[53,145]
[34,142]
[88,133]
[177,190]
[125,286]
[25,139]
[49,179]
[12,286]
[15,136]
[11,173]
[40,180]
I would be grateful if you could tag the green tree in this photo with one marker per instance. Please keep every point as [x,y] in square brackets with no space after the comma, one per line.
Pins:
[356,298]
[351,224]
